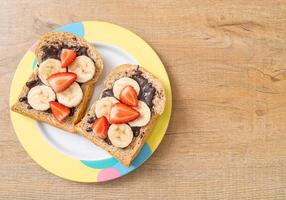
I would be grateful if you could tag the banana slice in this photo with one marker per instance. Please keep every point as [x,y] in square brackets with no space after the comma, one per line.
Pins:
[120,135]
[49,67]
[145,115]
[103,106]
[84,67]
[122,83]
[72,96]
[40,96]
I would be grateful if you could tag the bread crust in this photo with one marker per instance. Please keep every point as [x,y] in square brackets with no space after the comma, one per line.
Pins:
[60,38]
[126,155]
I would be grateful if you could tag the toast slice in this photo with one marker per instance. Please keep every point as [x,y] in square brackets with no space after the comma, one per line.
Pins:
[50,47]
[156,105]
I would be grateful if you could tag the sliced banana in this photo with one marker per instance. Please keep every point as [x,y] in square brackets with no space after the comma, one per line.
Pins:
[145,115]
[120,135]
[122,83]
[49,67]
[103,106]
[84,67]
[40,96]
[72,96]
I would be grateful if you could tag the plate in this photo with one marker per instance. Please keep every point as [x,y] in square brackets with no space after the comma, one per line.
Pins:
[71,156]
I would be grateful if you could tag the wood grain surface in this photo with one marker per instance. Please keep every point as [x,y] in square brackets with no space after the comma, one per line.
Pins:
[227,65]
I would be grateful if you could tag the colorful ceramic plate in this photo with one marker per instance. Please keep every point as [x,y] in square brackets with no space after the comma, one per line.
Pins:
[71,156]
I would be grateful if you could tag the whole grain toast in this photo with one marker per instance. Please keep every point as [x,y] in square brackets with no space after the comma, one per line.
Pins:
[126,155]
[56,40]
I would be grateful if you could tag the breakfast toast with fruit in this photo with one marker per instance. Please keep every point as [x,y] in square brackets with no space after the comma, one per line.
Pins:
[60,87]
[122,118]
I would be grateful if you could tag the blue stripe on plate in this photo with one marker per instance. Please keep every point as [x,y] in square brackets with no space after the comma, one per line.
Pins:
[34,63]
[75,28]
[144,154]
[100,164]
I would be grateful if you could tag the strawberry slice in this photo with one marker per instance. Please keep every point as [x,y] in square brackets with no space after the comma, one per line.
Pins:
[100,127]
[129,96]
[60,111]
[121,113]
[61,80]
[67,57]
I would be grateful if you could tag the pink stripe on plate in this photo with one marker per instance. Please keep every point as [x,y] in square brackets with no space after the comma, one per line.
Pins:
[33,47]
[108,174]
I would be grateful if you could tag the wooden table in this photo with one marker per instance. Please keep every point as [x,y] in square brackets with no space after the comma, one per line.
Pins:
[226,61]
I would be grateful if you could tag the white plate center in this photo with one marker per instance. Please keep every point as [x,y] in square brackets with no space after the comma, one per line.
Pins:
[74,145]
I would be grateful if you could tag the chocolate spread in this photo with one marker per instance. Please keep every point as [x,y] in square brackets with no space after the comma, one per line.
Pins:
[107,93]
[107,140]
[29,107]
[50,52]
[72,110]
[34,83]
[55,52]
[136,131]
[48,111]
[29,85]
[147,93]
[23,99]
[91,120]
[88,129]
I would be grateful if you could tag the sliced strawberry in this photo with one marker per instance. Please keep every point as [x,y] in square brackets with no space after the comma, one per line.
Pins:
[121,113]
[129,96]
[60,111]
[100,127]
[61,80]
[67,57]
